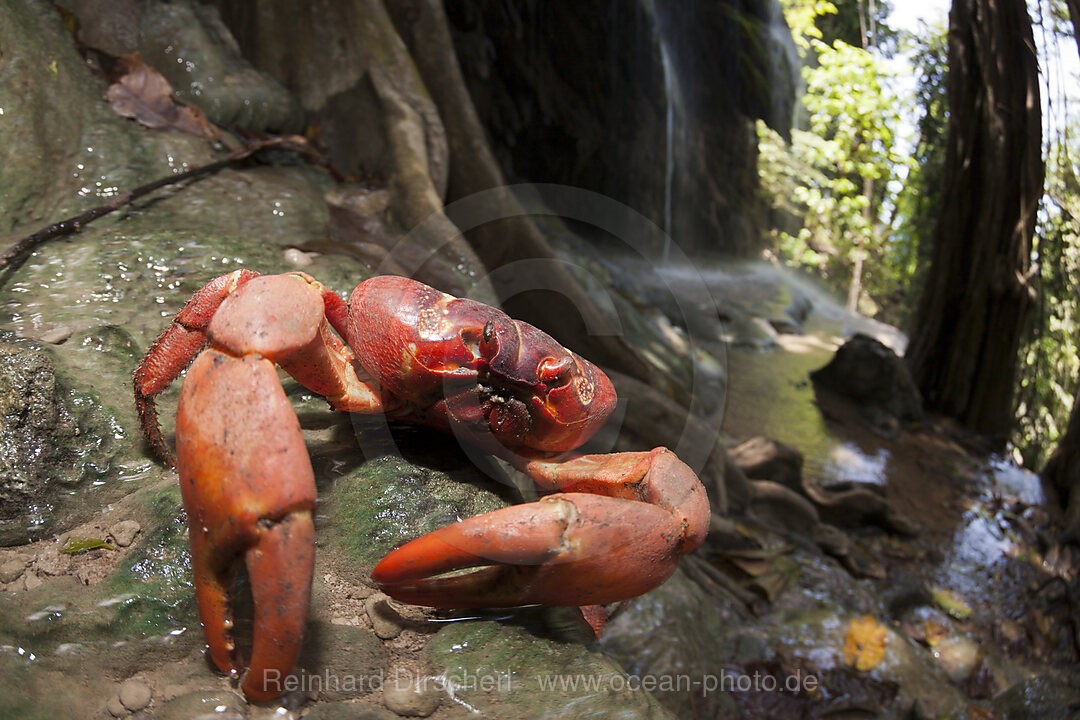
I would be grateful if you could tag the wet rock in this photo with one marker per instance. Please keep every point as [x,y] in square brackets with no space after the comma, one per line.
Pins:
[871,374]
[220,705]
[43,449]
[500,671]
[1040,698]
[393,499]
[11,570]
[957,656]
[124,532]
[677,630]
[785,326]
[385,620]
[339,662]
[188,43]
[761,458]
[134,694]
[418,698]
[115,707]
[348,711]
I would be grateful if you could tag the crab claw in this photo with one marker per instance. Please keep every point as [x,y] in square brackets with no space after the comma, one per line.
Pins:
[566,549]
[569,548]
[249,493]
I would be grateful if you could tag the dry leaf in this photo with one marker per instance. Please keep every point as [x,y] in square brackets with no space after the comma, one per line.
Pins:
[144,95]
[753,568]
[864,643]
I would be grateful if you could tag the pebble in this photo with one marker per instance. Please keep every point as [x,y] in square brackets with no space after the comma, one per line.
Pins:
[56,335]
[298,258]
[124,532]
[11,570]
[385,620]
[134,694]
[413,700]
[115,707]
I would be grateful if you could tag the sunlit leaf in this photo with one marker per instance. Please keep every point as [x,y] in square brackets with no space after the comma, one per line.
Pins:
[77,544]
[952,603]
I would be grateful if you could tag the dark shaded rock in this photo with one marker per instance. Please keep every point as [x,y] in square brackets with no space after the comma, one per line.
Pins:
[647,68]
[674,631]
[1040,698]
[47,447]
[872,375]
[762,458]
[188,43]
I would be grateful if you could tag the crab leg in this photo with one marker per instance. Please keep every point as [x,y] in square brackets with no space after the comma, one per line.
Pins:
[615,528]
[249,492]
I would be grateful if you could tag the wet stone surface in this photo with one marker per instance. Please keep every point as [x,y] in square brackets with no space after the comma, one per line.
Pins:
[50,443]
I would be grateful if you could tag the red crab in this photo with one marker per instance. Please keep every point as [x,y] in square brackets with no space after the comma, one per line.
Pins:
[613,527]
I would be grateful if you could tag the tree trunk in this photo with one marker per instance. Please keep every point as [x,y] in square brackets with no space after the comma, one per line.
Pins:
[964,351]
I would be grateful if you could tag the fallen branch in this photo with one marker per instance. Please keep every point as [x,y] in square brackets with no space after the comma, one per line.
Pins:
[77,223]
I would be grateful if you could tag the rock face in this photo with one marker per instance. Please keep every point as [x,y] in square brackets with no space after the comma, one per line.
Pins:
[872,375]
[43,449]
[657,100]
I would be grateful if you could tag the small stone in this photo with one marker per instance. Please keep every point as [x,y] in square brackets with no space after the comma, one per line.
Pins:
[124,532]
[55,335]
[298,258]
[31,581]
[412,699]
[134,694]
[385,620]
[11,570]
[115,707]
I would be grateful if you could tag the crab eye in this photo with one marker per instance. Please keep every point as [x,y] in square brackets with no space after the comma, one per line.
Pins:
[489,341]
[555,372]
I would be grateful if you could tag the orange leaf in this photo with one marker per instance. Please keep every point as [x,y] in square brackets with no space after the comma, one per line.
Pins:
[864,643]
[144,95]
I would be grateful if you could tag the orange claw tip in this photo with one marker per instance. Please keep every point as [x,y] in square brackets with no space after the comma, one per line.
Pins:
[280,567]
[567,549]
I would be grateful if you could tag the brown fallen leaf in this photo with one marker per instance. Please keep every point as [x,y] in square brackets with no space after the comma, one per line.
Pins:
[144,95]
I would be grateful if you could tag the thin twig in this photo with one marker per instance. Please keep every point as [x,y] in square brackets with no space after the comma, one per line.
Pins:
[77,223]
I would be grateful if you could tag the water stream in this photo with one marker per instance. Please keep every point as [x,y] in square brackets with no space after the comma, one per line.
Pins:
[669,170]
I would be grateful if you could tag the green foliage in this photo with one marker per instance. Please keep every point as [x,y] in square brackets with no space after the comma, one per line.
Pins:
[824,216]
[1049,362]
[801,16]
[919,203]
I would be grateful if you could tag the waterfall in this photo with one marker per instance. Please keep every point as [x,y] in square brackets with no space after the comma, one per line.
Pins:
[669,171]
